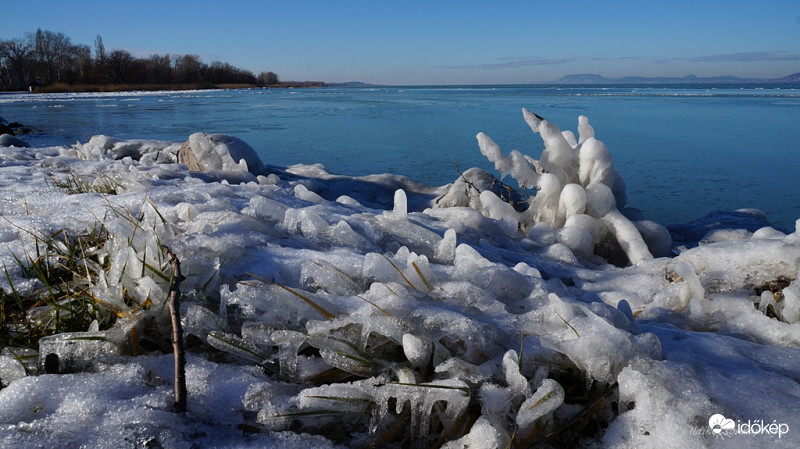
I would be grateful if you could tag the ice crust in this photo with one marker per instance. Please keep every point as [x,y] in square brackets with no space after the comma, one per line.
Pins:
[428,311]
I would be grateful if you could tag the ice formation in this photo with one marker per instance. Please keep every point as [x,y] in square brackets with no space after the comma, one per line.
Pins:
[316,319]
[577,187]
[205,152]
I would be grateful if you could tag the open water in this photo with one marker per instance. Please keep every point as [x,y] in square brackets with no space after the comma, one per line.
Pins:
[682,150]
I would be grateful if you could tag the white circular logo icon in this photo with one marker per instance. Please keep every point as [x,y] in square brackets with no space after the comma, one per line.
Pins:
[719,423]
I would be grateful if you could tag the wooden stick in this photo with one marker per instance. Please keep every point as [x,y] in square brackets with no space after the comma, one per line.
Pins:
[177,331]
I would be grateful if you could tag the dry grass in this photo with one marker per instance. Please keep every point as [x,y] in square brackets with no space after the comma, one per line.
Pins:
[63,87]
[64,266]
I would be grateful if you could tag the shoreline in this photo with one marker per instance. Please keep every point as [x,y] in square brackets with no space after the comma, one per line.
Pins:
[80,88]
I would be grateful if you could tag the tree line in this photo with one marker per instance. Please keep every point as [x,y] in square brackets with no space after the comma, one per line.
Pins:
[45,58]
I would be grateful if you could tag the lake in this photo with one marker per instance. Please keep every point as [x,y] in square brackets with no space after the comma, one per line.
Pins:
[682,150]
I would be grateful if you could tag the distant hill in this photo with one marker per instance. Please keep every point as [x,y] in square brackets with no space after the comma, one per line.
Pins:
[591,78]
[793,78]
[349,84]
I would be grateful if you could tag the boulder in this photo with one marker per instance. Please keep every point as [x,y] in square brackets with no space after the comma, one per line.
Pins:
[14,128]
[466,191]
[7,140]
[207,152]
[692,233]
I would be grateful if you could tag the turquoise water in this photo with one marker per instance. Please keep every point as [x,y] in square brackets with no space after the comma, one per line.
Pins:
[683,151]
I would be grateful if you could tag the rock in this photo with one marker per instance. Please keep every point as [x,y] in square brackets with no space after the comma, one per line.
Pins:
[690,234]
[466,191]
[207,152]
[14,128]
[8,140]
[22,130]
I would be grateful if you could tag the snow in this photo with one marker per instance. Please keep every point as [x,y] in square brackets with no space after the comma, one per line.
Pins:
[320,307]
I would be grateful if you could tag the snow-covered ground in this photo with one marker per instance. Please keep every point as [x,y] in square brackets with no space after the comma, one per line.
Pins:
[330,311]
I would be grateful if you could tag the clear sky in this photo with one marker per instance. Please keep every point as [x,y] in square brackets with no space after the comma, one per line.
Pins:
[440,41]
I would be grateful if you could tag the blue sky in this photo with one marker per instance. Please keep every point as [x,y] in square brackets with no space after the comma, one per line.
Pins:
[442,41]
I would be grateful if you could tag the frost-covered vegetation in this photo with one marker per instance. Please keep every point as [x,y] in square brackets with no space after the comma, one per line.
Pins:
[578,191]
[330,311]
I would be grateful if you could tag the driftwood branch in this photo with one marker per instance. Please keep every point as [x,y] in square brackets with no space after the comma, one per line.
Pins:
[177,331]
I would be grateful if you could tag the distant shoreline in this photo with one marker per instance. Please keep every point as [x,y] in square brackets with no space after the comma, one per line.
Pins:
[81,88]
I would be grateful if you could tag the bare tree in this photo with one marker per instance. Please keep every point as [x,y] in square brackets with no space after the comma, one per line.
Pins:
[119,64]
[188,69]
[159,70]
[99,49]
[17,54]
[51,50]
[100,58]
[47,57]
[267,78]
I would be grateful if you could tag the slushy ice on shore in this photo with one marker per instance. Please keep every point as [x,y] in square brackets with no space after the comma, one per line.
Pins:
[330,311]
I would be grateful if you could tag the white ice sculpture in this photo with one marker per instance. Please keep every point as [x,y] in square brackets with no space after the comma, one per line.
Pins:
[578,186]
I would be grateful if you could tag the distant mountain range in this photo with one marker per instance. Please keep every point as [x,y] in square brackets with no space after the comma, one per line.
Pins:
[591,78]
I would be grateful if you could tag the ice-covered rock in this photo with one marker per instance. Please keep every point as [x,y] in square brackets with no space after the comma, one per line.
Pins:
[466,191]
[205,152]
[691,234]
[7,140]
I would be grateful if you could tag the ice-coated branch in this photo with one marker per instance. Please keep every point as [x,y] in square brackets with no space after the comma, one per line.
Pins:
[558,156]
[585,130]
[177,330]
[579,188]
[515,164]
[600,204]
